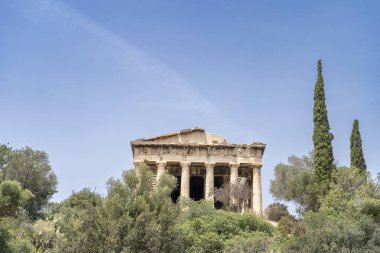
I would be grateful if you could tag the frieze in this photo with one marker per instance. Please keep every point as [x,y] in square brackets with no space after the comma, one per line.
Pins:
[242,151]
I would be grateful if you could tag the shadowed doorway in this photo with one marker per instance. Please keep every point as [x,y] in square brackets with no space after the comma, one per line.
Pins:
[196,188]
[218,182]
[176,191]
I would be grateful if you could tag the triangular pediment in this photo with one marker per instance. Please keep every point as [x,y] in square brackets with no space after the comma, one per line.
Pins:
[191,136]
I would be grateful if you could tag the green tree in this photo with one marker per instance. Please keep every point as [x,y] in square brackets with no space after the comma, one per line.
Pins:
[14,236]
[357,156]
[286,224]
[211,233]
[44,235]
[353,194]
[297,182]
[330,234]
[81,200]
[32,169]
[84,228]
[348,219]
[143,219]
[194,209]
[275,211]
[322,138]
[259,243]
[131,218]
[12,198]
[4,238]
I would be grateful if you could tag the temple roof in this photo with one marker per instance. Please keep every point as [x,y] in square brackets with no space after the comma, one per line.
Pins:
[191,136]
[187,136]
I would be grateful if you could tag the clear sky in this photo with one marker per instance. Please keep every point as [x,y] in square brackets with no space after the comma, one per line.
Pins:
[81,79]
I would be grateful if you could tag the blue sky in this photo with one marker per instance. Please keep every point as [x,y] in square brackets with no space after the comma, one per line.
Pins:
[81,79]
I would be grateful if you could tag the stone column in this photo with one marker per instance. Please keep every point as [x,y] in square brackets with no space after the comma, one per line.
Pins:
[185,180]
[160,169]
[234,173]
[257,198]
[209,191]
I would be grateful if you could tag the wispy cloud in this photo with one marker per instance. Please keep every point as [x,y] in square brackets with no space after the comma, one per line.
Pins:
[158,72]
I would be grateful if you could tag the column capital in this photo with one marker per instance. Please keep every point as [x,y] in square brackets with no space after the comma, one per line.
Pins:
[161,163]
[234,165]
[256,166]
[185,163]
[210,164]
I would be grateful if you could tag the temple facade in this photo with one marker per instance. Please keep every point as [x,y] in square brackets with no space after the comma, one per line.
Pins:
[201,162]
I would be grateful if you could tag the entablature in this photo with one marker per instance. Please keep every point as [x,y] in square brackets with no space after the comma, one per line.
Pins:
[241,150]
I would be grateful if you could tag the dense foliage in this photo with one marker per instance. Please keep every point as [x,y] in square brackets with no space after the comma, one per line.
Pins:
[275,211]
[327,233]
[357,156]
[12,198]
[32,170]
[322,138]
[211,233]
[133,218]
[296,182]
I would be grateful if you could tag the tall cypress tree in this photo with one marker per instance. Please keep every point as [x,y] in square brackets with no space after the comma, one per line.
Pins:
[357,157]
[322,138]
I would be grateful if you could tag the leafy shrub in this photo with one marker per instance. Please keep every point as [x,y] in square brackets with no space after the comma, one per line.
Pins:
[14,236]
[286,224]
[326,233]
[257,243]
[12,197]
[194,209]
[275,211]
[218,227]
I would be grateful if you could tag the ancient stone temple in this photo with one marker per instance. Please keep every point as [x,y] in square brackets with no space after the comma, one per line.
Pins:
[201,162]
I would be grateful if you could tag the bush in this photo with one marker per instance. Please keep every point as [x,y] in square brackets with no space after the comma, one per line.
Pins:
[12,197]
[258,243]
[195,209]
[275,211]
[14,236]
[210,233]
[286,224]
[326,233]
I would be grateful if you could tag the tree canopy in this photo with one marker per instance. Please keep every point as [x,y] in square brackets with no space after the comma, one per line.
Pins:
[356,149]
[32,170]
[296,182]
[322,137]
[12,197]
